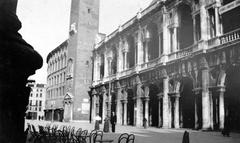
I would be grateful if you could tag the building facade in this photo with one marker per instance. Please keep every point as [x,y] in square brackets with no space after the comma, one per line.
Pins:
[69,92]
[56,89]
[36,105]
[176,64]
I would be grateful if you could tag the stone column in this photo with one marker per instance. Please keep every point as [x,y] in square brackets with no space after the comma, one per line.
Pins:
[146,50]
[106,66]
[221,108]
[211,109]
[203,17]
[217,21]
[140,47]
[175,40]
[165,32]
[165,103]
[146,109]
[169,112]
[196,112]
[93,105]
[104,109]
[138,111]
[125,112]
[205,96]
[97,104]
[176,111]
[18,60]
[160,96]
[139,94]
[118,105]
[120,57]
[125,60]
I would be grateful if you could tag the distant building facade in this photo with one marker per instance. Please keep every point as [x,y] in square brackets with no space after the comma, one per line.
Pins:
[36,105]
[71,102]
[56,80]
[176,64]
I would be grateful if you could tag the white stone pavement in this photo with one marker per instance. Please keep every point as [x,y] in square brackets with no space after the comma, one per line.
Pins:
[152,134]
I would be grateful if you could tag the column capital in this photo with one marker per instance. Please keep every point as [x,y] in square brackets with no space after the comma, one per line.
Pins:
[124,101]
[146,98]
[221,89]
[160,95]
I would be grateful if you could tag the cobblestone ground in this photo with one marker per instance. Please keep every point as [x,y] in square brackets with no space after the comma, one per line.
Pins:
[153,135]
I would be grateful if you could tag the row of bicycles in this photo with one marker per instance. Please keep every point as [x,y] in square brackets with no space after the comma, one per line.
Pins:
[68,134]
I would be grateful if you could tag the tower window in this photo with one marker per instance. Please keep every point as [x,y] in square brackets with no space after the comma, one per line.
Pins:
[89,10]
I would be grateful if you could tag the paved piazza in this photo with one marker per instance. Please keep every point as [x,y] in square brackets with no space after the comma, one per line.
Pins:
[153,135]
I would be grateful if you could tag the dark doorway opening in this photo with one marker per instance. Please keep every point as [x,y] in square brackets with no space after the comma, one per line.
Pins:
[187,104]
[153,105]
[130,108]
[232,98]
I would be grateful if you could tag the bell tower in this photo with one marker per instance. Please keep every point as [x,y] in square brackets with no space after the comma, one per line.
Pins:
[84,24]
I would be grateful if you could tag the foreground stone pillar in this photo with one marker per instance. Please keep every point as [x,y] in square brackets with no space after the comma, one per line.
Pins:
[159,110]
[221,108]
[125,112]
[165,103]
[176,111]
[196,112]
[104,109]
[146,109]
[118,108]
[18,61]
[138,109]
[205,96]
[93,105]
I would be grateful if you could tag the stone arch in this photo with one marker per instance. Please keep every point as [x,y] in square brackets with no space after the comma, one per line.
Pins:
[185,30]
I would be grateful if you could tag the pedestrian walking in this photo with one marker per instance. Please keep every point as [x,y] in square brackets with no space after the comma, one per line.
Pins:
[113,121]
[185,137]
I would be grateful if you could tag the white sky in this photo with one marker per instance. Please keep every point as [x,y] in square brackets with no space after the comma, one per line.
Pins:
[45,22]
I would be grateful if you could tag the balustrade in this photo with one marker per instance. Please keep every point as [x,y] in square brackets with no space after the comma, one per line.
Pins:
[230,36]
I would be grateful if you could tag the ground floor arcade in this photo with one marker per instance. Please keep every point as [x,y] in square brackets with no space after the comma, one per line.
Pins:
[206,98]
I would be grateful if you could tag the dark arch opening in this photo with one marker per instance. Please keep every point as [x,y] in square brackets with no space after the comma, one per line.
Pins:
[102,66]
[130,108]
[232,98]
[114,61]
[153,105]
[131,52]
[186,26]
[101,107]
[187,104]
[153,44]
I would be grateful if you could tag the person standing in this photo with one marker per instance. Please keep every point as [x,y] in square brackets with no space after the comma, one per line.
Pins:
[113,121]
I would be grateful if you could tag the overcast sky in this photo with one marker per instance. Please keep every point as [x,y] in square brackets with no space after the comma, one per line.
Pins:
[45,22]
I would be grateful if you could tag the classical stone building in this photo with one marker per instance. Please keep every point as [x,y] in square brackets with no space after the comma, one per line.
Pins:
[176,63]
[70,65]
[36,104]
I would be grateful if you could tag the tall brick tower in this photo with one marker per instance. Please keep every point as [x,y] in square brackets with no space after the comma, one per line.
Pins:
[84,23]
